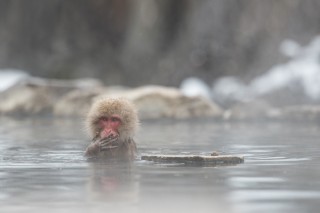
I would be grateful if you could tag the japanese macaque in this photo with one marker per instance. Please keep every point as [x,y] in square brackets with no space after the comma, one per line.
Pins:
[112,123]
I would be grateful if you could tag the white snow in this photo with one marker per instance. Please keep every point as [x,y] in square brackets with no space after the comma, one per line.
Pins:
[9,77]
[194,86]
[303,70]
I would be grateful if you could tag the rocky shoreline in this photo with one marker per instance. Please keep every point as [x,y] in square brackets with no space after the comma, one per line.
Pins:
[72,98]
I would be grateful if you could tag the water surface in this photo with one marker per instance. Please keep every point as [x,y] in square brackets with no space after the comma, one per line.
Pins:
[42,168]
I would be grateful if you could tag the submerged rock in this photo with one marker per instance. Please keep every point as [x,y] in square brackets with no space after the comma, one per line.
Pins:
[195,159]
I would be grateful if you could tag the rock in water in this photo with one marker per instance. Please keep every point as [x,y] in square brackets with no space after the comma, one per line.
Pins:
[195,159]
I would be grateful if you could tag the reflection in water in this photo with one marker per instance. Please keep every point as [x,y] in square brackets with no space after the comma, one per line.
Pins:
[42,168]
[112,182]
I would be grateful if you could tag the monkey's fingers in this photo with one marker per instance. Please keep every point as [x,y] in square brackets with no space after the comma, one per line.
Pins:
[110,144]
[106,148]
[113,147]
[108,141]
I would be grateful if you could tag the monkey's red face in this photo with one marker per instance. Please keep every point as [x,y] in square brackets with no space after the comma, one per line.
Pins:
[109,126]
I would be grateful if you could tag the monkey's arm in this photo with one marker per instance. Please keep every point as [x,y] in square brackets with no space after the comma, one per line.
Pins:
[133,145]
[131,148]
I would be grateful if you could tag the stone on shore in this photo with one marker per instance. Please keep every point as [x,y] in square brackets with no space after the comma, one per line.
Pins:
[151,101]
[25,99]
[38,96]
[33,96]
[253,110]
[166,102]
[302,112]
[79,101]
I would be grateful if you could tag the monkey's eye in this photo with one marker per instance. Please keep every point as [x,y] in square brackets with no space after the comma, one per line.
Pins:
[103,119]
[114,119]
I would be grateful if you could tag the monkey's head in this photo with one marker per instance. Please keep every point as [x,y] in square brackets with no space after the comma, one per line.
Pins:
[112,117]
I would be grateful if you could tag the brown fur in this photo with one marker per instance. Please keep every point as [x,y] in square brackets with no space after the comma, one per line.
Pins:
[109,106]
[128,128]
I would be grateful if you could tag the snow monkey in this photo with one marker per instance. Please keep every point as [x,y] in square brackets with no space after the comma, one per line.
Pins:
[112,123]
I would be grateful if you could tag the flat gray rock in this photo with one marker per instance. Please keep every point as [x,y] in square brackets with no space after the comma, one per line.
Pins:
[195,159]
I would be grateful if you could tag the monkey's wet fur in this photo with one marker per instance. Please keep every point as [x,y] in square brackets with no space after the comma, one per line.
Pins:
[112,123]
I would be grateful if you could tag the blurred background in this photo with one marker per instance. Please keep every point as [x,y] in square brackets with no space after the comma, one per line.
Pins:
[137,42]
[252,60]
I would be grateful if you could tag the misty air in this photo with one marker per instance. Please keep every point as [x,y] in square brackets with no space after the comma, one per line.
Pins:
[159,106]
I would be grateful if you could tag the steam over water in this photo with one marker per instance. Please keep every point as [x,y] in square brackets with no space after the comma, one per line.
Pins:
[42,168]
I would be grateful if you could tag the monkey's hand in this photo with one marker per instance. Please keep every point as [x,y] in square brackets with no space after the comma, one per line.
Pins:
[109,143]
[106,144]
[92,150]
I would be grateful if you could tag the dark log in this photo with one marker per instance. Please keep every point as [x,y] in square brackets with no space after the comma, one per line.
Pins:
[195,159]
